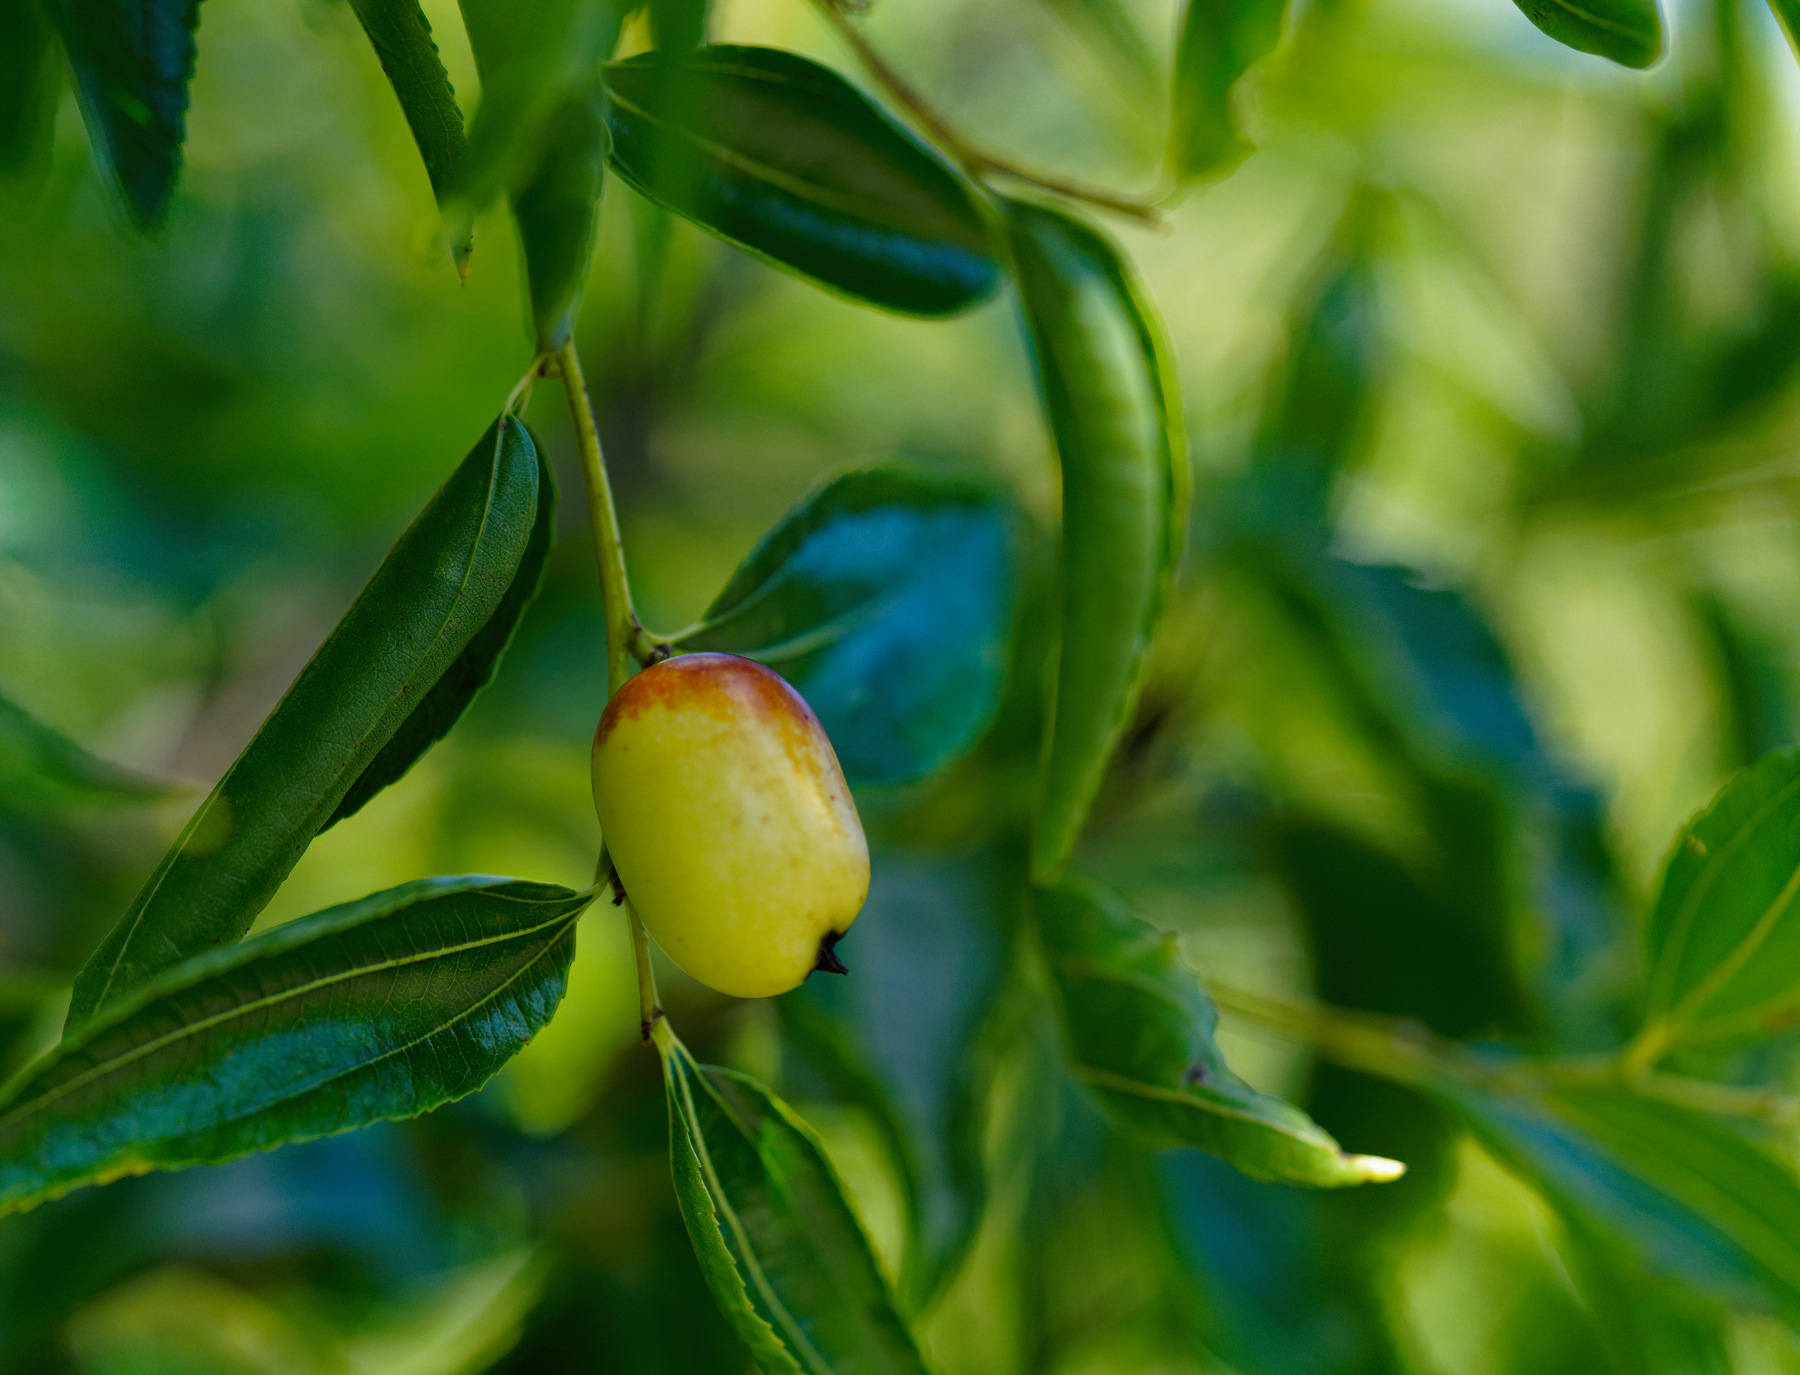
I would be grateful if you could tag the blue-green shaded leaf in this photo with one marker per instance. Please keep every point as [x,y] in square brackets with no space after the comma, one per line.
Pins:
[133,60]
[785,158]
[401,36]
[1140,1032]
[1220,41]
[439,589]
[885,597]
[1693,1199]
[39,766]
[382,1008]
[1630,32]
[1110,397]
[1723,941]
[781,1248]
[27,86]
[557,210]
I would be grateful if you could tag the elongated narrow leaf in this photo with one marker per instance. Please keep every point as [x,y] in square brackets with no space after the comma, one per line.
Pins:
[39,766]
[382,1008]
[785,158]
[373,680]
[781,1249]
[533,56]
[133,60]
[27,85]
[1110,398]
[1220,41]
[1630,32]
[557,210]
[885,598]
[1724,937]
[401,36]
[1693,1199]
[1140,1031]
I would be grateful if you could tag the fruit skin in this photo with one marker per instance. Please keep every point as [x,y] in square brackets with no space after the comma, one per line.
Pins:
[729,821]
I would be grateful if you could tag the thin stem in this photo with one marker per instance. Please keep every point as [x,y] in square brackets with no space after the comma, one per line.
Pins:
[975,161]
[650,1013]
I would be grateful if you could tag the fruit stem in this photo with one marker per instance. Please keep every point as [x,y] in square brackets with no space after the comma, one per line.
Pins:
[625,635]
[649,1010]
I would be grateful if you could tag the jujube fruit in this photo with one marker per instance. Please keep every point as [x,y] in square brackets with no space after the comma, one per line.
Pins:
[729,822]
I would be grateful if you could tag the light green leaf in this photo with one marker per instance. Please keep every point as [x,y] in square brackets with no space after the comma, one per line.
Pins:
[383,1008]
[380,676]
[1140,1032]
[785,158]
[1220,41]
[781,1249]
[1112,404]
[39,767]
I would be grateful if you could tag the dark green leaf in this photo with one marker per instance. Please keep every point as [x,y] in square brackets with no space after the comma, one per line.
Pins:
[438,590]
[1114,410]
[557,210]
[781,1249]
[1724,938]
[1630,32]
[39,766]
[1140,1031]
[474,669]
[885,598]
[382,1008]
[1220,41]
[1691,1198]
[27,85]
[785,158]
[132,61]
[401,36]
[532,56]
[676,26]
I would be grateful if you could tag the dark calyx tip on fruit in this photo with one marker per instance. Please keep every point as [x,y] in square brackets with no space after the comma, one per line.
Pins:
[828,960]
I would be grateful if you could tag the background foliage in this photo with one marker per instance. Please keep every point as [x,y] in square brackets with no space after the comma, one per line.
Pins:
[1488,364]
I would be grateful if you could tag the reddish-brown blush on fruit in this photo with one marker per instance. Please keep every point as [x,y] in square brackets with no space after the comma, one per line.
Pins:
[728,819]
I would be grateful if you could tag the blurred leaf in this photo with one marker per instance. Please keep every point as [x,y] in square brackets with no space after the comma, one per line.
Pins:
[441,594]
[885,597]
[27,85]
[401,36]
[1140,1031]
[901,1038]
[1220,41]
[1630,32]
[1648,1324]
[786,159]
[557,210]
[132,61]
[532,57]
[1723,942]
[382,1008]
[782,1251]
[1110,32]
[1110,397]
[1689,1196]
[676,26]
[40,766]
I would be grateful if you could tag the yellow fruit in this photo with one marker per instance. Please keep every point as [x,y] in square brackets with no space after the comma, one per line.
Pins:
[729,821]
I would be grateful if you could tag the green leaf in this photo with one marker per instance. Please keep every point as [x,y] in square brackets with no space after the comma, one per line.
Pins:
[557,210]
[785,158]
[376,677]
[132,61]
[676,26]
[532,56]
[1113,408]
[885,597]
[38,766]
[1110,32]
[382,1008]
[1630,32]
[401,36]
[1140,1033]
[1723,942]
[1689,1196]
[1220,41]
[782,1251]
[28,83]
